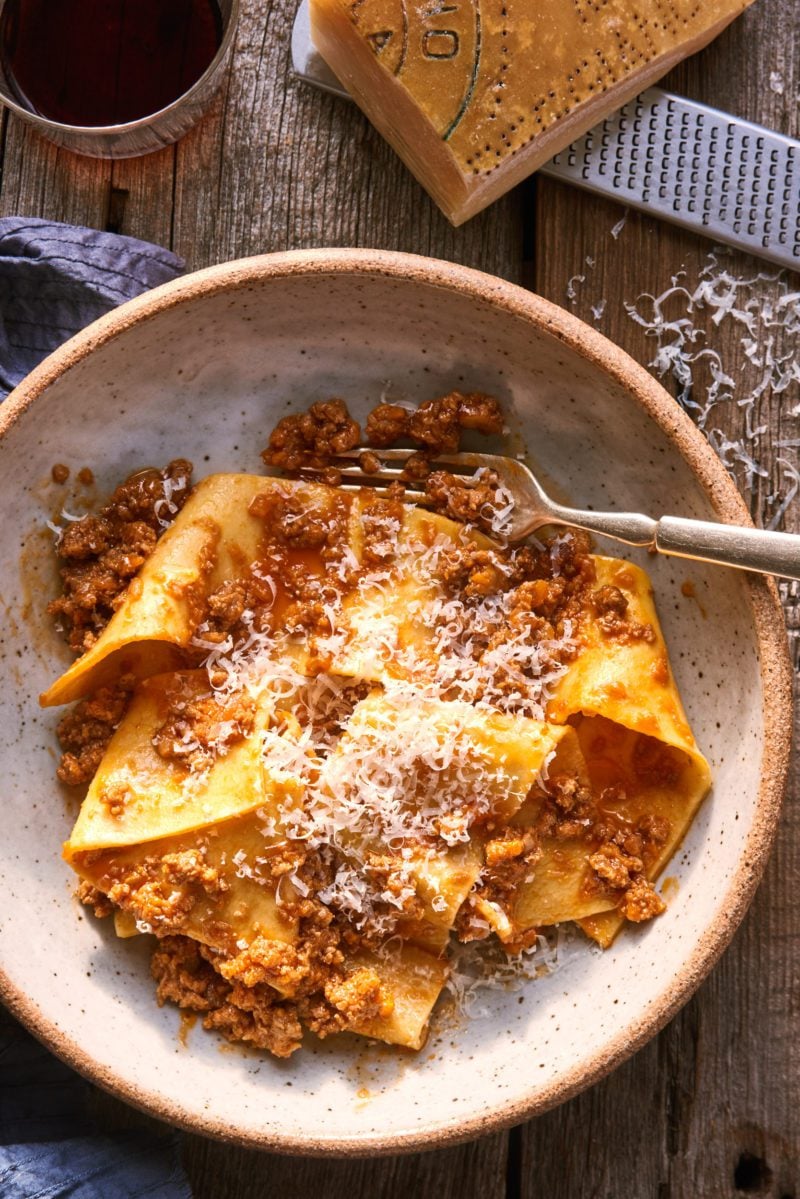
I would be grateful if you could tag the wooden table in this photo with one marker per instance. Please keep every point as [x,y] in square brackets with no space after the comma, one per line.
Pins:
[711,1107]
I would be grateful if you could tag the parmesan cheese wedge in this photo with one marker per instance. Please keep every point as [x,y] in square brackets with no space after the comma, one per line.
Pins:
[474,95]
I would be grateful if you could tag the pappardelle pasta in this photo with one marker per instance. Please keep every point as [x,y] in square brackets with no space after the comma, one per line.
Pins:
[327,733]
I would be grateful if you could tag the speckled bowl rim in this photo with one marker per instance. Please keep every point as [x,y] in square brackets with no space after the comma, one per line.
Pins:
[775,670]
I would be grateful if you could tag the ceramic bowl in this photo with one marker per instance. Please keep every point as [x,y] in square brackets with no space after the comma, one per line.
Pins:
[202,368]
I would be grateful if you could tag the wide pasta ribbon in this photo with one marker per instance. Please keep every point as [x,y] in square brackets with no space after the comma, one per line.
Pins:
[184,843]
[168,843]
[621,696]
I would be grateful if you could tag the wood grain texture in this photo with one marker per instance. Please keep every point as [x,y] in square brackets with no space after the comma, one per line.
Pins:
[709,1110]
[274,165]
[478,1169]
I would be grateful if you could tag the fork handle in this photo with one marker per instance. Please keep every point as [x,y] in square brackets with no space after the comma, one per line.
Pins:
[747,549]
[630,527]
[703,540]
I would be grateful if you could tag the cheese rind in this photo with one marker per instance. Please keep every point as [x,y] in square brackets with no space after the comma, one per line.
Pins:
[474,95]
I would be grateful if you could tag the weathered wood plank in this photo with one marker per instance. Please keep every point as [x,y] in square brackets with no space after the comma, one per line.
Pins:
[141,197]
[709,1108]
[275,166]
[40,180]
[476,1171]
[279,165]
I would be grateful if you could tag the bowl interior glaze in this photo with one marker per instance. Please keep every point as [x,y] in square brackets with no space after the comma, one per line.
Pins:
[202,368]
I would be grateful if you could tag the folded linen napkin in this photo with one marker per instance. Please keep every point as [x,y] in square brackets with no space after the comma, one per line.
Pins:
[127,1166]
[54,280]
[51,1146]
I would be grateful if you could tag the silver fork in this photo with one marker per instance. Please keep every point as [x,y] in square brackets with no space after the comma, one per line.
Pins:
[701,540]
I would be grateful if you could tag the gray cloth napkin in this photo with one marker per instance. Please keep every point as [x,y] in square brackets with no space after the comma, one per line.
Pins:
[54,280]
[50,1146]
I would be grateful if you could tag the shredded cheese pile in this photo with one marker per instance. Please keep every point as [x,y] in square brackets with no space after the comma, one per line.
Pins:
[759,315]
[768,330]
[369,788]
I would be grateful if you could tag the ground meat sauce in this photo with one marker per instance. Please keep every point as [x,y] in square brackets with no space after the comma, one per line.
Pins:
[475,503]
[85,731]
[101,553]
[237,1000]
[622,873]
[611,607]
[627,851]
[267,992]
[437,424]
[436,428]
[197,730]
[510,858]
[254,1015]
[387,424]
[312,438]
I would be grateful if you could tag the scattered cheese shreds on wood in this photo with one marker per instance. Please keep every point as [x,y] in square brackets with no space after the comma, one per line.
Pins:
[791,475]
[764,313]
[620,225]
[776,83]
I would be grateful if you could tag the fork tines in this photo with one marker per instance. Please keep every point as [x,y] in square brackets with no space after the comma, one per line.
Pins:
[391,468]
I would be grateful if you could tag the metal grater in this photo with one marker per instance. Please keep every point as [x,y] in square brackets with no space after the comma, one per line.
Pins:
[728,179]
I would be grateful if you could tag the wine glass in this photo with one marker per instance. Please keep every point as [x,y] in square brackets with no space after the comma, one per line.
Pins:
[130,138]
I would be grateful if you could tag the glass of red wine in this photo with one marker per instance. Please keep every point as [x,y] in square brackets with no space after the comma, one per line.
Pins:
[114,78]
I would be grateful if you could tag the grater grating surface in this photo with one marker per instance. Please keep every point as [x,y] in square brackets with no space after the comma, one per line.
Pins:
[726,178]
[736,182]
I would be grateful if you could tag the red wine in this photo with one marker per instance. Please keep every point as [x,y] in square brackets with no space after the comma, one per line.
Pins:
[105,62]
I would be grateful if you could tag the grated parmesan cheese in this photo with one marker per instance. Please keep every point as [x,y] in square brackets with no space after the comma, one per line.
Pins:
[763,312]
[171,487]
[776,83]
[393,782]
[480,966]
[572,292]
[620,225]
